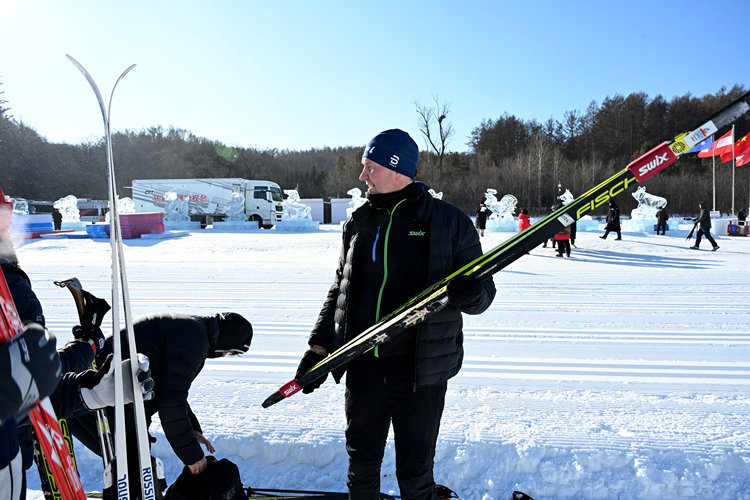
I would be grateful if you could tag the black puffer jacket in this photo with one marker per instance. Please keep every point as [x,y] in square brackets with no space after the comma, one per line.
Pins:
[75,356]
[452,243]
[177,346]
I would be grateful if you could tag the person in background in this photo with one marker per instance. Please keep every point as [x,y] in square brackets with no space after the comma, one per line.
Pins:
[523,220]
[613,221]
[741,215]
[661,220]
[553,240]
[563,241]
[704,227]
[56,219]
[395,245]
[481,222]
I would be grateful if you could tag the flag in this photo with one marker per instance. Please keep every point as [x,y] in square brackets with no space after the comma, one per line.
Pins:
[706,143]
[723,145]
[741,160]
[740,147]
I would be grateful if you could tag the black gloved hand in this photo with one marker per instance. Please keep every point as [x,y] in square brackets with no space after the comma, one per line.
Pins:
[310,359]
[464,290]
[94,337]
[36,369]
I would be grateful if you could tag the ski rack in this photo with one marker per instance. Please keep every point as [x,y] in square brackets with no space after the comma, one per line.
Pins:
[120,282]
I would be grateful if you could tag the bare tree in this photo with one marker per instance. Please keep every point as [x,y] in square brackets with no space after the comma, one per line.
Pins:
[540,147]
[431,117]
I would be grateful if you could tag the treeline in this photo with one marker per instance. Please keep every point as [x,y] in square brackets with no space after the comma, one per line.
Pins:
[531,160]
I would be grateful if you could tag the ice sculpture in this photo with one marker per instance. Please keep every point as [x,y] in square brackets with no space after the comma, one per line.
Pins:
[357,201]
[68,208]
[236,209]
[176,208]
[20,207]
[566,197]
[648,204]
[124,206]
[503,209]
[293,208]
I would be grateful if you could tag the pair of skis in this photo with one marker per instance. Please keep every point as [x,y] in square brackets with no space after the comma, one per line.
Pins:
[435,298]
[120,285]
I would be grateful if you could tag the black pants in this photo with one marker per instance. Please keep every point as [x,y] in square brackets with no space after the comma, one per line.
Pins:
[563,247]
[661,226]
[606,232]
[708,237]
[380,391]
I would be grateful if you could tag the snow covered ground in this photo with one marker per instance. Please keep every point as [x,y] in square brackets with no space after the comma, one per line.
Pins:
[622,372]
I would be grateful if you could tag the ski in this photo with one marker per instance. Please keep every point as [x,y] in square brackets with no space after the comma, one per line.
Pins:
[42,416]
[46,476]
[274,494]
[91,311]
[434,298]
[120,283]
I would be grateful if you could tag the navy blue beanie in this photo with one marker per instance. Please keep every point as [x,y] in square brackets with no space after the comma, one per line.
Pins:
[394,149]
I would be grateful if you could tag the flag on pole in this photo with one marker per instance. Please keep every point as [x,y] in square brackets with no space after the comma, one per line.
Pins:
[741,160]
[740,148]
[706,143]
[723,145]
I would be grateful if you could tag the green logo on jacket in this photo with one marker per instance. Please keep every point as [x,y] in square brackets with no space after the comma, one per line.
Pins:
[417,233]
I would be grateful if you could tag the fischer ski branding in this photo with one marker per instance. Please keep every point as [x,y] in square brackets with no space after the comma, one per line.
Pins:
[120,283]
[434,298]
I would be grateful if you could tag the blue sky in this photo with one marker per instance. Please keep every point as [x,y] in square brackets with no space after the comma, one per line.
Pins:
[302,74]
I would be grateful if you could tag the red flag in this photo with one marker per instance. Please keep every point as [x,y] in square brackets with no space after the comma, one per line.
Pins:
[723,145]
[740,147]
[741,160]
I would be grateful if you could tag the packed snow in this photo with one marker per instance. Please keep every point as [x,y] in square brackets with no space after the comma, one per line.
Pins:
[620,372]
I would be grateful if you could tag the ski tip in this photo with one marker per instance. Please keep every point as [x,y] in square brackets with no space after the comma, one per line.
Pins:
[286,390]
[273,399]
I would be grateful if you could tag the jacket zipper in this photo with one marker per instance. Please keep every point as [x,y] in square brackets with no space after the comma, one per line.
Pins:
[385,262]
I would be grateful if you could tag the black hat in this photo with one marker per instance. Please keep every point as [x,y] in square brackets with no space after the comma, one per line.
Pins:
[235,334]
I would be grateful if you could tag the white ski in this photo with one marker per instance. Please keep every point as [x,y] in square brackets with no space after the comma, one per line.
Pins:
[119,281]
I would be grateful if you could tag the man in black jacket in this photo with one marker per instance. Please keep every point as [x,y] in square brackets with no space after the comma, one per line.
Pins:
[395,245]
[613,221]
[177,346]
[704,227]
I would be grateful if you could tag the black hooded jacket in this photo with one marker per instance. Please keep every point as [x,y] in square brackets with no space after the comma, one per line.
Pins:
[433,238]
[177,346]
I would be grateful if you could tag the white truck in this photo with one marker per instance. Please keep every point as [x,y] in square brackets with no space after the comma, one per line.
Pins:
[208,199]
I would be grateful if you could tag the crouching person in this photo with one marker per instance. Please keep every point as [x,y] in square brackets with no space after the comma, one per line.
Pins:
[177,346]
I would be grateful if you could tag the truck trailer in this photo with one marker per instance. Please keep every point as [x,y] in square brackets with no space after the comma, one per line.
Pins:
[208,199]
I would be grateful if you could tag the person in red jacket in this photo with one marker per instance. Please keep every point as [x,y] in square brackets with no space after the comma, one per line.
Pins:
[523,220]
[563,241]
